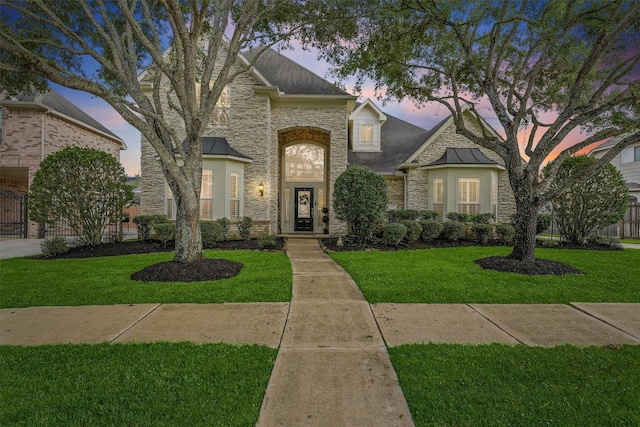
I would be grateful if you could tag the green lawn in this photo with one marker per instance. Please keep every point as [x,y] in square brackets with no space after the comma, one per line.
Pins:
[265,277]
[450,276]
[160,384]
[632,241]
[499,385]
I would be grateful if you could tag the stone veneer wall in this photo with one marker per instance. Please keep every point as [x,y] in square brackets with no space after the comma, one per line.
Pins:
[395,187]
[417,180]
[22,137]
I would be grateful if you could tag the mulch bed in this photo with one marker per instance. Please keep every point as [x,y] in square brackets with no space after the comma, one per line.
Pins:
[205,270]
[538,267]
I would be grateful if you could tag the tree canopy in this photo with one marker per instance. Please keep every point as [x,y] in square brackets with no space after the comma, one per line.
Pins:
[101,46]
[543,69]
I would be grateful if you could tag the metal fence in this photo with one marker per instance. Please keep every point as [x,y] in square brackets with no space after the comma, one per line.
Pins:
[13,214]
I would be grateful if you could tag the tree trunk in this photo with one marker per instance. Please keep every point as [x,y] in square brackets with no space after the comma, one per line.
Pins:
[524,242]
[188,236]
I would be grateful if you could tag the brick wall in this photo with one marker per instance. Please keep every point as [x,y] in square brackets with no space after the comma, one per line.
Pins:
[28,136]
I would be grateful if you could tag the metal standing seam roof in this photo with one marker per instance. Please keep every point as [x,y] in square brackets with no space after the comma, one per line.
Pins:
[216,146]
[463,156]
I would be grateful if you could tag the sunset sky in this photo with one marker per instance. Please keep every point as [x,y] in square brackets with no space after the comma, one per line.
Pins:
[425,117]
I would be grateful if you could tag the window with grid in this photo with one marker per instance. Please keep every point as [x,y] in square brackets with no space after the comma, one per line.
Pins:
[234,195]
[438,196]
[469,195]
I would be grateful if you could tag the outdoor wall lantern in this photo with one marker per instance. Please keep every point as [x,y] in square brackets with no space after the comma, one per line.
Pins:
[261,189]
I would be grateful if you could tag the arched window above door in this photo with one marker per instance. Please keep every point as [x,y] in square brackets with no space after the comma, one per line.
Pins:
[304,163]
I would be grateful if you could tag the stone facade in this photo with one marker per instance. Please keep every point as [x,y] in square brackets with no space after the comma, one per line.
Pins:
[30,133]
[418,188]
[395,186]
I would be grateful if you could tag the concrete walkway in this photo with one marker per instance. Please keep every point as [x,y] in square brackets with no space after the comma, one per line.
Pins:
[332,367]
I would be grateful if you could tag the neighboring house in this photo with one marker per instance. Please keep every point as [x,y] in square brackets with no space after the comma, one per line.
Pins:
[627,162]
[32,127]
[280,136]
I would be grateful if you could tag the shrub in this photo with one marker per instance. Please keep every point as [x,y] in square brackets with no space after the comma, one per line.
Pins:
[82,187]
[596,201]
[414,229]
[146,224]
[54,247]
[483,232]
[459,217]
[428,215]
[400,215]
[394,233]
[483,218]
[225,227]
[266,241]
[211,232]
[613,242]
[430,229]
[505,233]
[244,227]
[165,232]
[360,199]
[453,230]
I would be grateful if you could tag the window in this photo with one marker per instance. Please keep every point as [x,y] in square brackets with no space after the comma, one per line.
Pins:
[366,134]
[494,197]
[438,196]
[220,114]
[206,198]
[234,195]
[206,195]
[630,154]
[469,195]
[304,163]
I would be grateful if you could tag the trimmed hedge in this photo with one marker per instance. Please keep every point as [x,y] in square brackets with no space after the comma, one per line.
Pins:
[165,232]
[483,232]
[453,230]
[211,233]
[414,229]
[505,233]
[394,233]
[430,229]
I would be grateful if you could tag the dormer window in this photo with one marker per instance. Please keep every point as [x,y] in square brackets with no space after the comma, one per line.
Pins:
[366,134]
[364,127]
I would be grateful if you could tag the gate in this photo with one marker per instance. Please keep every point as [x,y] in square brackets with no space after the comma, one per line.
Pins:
[13,214]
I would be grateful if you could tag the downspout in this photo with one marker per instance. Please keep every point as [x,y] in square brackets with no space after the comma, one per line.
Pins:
[42,137]
[406,192]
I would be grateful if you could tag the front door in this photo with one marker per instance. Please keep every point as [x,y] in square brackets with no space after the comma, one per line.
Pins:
[303,209]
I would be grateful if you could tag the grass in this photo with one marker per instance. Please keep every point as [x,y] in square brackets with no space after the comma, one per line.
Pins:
[449,275]
[631,241]
[265,277]
[157,384]
[499,385]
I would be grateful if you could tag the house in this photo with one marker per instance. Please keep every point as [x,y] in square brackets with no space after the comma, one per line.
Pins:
[280,136]
[32,127]
[627,162]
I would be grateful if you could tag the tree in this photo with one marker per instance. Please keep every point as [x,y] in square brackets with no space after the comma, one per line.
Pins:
[83,187]
[100,46]
[597,201]
[542,68]
[360,199]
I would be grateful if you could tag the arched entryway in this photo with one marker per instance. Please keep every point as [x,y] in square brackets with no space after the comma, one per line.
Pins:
[304,155]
